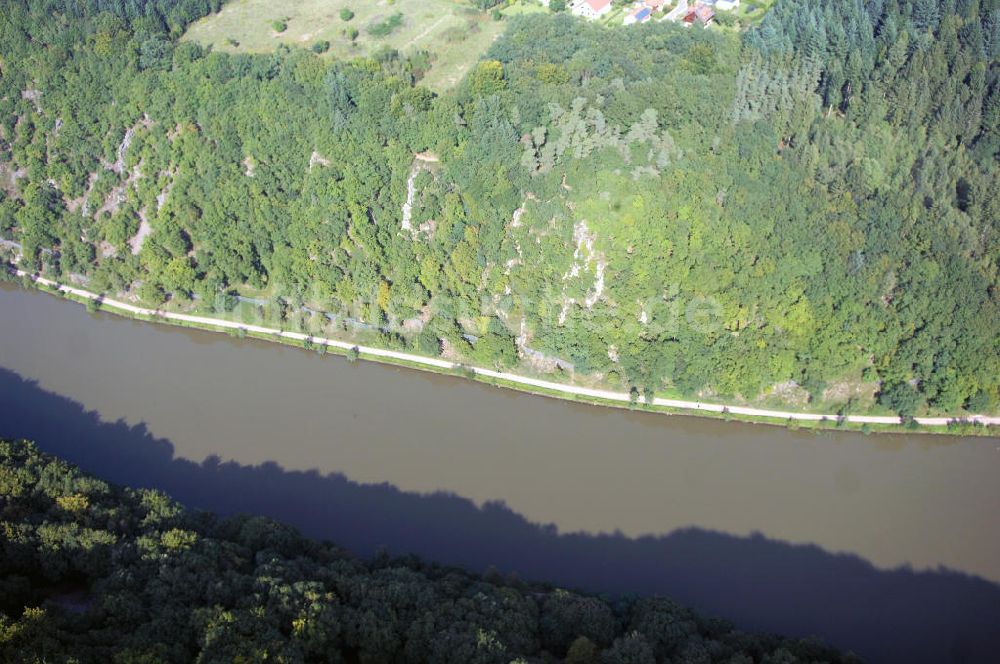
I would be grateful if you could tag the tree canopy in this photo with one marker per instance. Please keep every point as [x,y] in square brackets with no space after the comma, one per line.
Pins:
[809,207]
[95,572]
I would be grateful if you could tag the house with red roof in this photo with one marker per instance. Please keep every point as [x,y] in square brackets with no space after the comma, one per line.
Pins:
[703,14]
[591,9]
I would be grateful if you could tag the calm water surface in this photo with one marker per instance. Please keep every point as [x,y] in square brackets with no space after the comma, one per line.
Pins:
[922,501]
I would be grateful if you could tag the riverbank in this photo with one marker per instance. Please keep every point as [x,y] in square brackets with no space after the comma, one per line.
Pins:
[971,424]
[377,455]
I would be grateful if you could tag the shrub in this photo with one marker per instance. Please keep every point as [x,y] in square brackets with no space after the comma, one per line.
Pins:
[386,27]
[455,35]
[901,398]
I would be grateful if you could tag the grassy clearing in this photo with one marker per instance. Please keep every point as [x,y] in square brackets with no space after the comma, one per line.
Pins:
[754,10]
[8,183]
[616,16]
[523,7]
[452,31]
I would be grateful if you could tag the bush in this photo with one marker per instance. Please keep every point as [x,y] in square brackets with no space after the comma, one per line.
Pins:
[901,398]
[321,47]
[386,27]
[279,26]
[428,343]
[455,35]
[980,402]
[346,14]
[152,293]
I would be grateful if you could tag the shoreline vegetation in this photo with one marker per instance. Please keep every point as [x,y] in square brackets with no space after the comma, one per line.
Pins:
[972,424]
[103,572]
[798,217]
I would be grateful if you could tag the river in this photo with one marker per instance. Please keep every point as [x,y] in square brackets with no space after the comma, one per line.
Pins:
[871,542]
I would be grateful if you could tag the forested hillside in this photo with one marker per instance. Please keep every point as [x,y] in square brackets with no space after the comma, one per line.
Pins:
[93,572]
[806,212]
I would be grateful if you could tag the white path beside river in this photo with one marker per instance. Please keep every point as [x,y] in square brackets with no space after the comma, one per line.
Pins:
[882,530]
[502,375]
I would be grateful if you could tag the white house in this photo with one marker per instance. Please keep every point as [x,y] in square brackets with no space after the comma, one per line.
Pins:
[591,9]
[726,5]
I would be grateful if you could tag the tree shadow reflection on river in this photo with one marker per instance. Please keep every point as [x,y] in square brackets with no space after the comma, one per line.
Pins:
[758,583]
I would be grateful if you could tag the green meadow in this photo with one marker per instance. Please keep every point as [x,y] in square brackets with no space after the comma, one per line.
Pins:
[454,33]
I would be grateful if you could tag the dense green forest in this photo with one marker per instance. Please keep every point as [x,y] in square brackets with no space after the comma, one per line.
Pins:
[91,572]
[807,210]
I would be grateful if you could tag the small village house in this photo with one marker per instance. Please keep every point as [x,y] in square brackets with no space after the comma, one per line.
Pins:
[591,9]
[640,15]
[703,14]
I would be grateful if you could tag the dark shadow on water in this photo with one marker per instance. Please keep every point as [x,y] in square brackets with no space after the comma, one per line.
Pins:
[758,583]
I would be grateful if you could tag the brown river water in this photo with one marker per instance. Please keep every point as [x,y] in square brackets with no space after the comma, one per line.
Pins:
[886,544]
